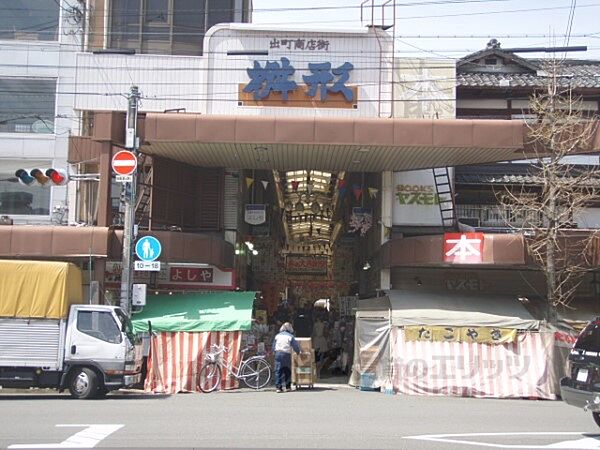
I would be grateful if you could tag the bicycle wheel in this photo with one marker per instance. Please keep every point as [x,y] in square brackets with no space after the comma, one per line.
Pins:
[209,377]
[256,373]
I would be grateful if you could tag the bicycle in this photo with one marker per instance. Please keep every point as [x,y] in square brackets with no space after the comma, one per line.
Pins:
[255,372]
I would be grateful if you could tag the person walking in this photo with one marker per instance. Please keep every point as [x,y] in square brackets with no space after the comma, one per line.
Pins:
[283,344]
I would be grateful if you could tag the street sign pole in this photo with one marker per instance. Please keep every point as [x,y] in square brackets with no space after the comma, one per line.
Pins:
[131,142]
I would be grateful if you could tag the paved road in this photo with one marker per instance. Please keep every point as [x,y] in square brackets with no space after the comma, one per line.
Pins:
[329,417]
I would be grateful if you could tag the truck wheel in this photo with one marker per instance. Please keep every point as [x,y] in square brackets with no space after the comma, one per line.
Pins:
[596,417]
[84,383]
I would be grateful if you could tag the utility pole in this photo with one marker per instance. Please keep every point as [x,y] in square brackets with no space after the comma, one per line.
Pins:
[129,191]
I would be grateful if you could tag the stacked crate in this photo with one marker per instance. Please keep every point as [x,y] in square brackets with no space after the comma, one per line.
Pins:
[304,368]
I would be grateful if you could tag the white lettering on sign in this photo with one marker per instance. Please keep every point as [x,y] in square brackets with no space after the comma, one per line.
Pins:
[88,438]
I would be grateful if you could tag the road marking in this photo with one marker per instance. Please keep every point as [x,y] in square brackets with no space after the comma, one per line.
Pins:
[88,438]
[584,443]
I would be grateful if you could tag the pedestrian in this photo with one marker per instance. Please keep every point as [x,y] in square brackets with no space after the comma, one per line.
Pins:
[283,344]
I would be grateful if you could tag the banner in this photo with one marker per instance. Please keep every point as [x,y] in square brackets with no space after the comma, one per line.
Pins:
[360,220]
[480,335]
[255,214]
[518,369]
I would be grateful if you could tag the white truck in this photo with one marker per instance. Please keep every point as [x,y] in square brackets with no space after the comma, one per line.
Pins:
[49,339]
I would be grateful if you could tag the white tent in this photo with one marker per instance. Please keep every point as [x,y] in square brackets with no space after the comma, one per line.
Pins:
[383,351]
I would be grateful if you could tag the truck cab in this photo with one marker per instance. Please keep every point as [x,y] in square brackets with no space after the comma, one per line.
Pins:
[101,352]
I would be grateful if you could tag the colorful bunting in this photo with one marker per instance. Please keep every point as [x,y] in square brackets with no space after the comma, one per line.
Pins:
[373,192]
[265,184]
[249,182]
[295,185]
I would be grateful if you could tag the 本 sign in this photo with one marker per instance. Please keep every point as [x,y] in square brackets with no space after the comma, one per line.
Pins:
[480,335]
[463,248]
[277,77]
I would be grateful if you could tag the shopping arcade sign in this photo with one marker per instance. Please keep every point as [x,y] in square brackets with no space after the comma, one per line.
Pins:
[274,81]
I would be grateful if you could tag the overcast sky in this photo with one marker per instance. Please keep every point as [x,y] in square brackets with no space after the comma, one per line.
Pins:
[545,22]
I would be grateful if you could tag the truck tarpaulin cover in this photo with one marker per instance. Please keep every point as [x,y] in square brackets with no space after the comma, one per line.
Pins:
[39,289]
[221,311]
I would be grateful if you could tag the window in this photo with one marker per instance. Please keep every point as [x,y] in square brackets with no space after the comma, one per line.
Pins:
[18,199]
[29,20]
[27,105]
[167,26]
[491,61]
[100,325]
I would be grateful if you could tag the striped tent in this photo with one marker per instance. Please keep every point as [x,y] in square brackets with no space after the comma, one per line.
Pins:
[406,341]
[185,327]
[175,360]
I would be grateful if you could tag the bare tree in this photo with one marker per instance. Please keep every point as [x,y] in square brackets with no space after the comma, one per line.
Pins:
[560,190]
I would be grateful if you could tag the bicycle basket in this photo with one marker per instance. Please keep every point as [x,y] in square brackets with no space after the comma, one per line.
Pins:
[212,357]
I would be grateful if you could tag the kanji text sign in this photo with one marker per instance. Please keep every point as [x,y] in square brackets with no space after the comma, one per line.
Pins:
[463,248]
[275,79]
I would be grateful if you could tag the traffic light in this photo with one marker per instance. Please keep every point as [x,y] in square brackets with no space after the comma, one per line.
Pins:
[41,177]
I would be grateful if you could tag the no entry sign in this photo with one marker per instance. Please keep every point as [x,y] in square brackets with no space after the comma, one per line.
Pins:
[124,163]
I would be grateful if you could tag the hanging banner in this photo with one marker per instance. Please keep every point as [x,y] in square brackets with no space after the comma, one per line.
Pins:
[480,335]
[360,220]
[255,214]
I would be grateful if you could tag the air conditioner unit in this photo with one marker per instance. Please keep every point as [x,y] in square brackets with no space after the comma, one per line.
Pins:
[5,220]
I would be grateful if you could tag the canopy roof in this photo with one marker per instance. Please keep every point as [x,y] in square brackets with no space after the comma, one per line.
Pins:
[222,311]
[39,289]
[450,309]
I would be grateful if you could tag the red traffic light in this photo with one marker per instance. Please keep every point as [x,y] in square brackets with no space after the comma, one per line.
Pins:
[56,177]
[48,177]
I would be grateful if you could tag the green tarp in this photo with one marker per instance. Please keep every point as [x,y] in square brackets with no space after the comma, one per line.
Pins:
[224,311]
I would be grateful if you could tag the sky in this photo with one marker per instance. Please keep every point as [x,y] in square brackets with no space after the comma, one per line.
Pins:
[452,28]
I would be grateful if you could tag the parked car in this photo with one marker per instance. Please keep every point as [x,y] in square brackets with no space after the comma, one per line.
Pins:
[581,386]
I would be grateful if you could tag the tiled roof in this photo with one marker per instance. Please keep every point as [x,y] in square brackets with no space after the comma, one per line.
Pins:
[503,174]
[577,76]
[498,179]
[577,73]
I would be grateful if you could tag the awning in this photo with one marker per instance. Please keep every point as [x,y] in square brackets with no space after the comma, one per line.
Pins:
[224,311]
[39,289]
[454,309]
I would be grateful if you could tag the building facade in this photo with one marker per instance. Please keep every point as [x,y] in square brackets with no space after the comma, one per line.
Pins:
[271,159]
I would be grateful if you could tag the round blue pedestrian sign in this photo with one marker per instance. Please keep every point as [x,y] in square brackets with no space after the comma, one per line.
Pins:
[148,248]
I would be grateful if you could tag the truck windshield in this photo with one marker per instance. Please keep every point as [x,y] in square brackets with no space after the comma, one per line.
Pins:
[589,339]
[126,324]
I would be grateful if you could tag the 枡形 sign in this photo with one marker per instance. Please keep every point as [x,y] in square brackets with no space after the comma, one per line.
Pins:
[480,335]
[255,214]
[275,81]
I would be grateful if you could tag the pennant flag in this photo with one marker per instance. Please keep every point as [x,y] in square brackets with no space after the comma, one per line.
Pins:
[265,184]
[249,182]
[357,190]
[342,187]
[373,192]
[295,185]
